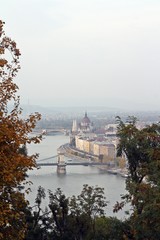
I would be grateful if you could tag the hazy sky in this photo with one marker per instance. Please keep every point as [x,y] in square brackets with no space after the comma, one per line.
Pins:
[87,52]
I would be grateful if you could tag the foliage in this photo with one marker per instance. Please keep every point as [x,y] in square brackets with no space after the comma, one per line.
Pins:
[109,228]
[14,131]
[90,201]
[142,149]
[67,218]
[38,225]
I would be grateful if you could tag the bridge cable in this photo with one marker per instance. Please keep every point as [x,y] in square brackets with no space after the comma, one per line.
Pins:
[46,158]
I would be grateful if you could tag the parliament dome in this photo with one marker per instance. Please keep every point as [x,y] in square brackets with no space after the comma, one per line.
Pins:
[85,120]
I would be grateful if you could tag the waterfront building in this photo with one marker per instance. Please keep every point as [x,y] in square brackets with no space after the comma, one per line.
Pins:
[105,149]
[111,130]
[96,143]
[79,143]
[91,146]
[108,150]
[81,130]
[85,124]
[96,148]
[86,145]
[83,141]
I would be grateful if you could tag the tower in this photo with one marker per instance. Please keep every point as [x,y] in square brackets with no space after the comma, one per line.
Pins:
[61,165]
[74,126]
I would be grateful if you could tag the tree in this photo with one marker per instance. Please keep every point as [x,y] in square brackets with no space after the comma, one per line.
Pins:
[38,221]
[85,208]
[142,148]
[59,209]
[90,201]
[14,131]
[109,228]
[74,217]
[68,218]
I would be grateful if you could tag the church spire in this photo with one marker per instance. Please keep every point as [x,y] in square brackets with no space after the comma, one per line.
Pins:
[74,126]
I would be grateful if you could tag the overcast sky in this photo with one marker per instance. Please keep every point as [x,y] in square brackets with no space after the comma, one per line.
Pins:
[87,52]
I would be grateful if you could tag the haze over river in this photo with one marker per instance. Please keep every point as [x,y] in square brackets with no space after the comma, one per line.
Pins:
[72,182]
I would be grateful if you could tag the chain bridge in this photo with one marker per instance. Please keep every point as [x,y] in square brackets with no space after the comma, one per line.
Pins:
[61,163]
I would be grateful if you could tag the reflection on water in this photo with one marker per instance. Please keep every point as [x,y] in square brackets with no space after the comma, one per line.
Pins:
[76,176]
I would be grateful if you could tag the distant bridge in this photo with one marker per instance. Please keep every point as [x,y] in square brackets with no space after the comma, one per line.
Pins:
[50,131]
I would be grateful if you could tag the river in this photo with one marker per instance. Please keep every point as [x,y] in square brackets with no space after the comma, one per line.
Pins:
[72,182]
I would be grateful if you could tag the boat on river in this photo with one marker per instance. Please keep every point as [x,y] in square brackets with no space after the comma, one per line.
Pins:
[112,171]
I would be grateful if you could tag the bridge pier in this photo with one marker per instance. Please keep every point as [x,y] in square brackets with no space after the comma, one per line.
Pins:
[61,165]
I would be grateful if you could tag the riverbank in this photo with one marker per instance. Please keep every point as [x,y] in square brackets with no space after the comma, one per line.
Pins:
[72,182]
[73,153]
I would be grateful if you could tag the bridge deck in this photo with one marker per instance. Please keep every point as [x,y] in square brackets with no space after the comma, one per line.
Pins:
[74,164]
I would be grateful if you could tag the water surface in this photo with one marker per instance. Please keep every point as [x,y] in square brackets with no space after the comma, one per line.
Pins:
[76,176]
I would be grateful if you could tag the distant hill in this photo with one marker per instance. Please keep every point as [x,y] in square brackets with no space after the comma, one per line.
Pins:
[48,110]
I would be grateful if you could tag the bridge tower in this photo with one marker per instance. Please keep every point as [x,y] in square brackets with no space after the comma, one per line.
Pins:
[61,165]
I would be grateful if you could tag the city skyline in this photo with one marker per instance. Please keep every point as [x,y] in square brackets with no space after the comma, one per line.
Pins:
[87,53]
